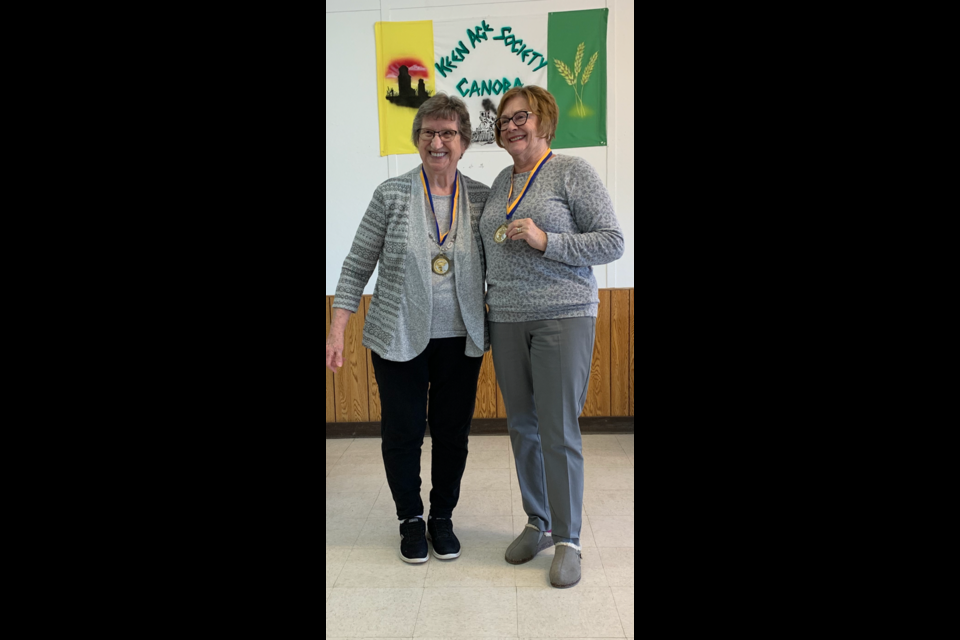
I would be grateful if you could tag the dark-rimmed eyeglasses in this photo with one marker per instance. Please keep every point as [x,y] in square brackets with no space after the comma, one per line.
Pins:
[446,136]
[518,119]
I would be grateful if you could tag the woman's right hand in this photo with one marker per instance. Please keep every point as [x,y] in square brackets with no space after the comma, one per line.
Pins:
[334,351]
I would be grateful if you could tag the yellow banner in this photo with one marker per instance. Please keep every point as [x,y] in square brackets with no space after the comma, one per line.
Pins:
[405,80]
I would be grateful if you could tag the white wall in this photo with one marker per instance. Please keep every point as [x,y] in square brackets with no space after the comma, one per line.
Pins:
[354,166]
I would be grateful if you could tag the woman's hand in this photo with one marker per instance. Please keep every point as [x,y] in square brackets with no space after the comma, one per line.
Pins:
[334,351]
[527,229]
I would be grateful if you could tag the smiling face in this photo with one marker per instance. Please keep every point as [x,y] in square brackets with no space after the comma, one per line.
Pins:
[521,142]
[439,156]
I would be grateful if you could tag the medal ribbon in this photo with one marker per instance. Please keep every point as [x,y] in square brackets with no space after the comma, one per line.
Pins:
[512,208]
[453,209]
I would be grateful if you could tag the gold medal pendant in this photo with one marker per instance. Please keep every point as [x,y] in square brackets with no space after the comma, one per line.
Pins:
[501,234]
[441,265]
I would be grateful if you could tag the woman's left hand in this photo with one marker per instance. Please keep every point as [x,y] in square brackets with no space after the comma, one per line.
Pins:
[527,229]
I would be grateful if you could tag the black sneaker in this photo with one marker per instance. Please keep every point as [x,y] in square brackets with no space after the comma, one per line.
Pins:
[413,544]
[445,543]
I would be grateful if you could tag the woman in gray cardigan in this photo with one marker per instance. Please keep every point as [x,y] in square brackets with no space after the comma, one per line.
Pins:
[548,220]
[427,324]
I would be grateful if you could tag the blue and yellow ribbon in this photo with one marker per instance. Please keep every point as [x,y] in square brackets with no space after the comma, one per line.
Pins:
[453,210]
[512,208]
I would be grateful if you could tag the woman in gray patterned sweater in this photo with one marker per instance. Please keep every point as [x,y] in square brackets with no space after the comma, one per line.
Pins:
[547,221]
[427,324]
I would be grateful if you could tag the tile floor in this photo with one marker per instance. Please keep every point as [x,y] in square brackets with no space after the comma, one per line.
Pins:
[370,593]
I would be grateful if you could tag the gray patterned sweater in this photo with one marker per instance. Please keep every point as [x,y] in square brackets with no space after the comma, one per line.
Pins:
[394,232]
[570,204]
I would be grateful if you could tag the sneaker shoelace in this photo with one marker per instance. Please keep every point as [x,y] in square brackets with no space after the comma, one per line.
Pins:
[411,530]
[442,528]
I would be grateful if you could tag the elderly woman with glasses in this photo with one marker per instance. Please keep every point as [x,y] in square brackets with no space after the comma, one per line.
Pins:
[547,221]
[427,324]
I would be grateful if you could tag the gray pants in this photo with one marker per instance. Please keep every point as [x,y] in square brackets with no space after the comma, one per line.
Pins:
[543,368]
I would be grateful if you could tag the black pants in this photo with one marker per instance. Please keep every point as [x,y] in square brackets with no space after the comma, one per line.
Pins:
[452,380]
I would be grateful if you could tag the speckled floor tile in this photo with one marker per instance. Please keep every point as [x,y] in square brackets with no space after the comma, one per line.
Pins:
[342,532]
[349,505]
[360,459]
[467,612]
[336,447]
[606,460]
[489,460]
[613,531]
[351,469]
[385,506]
[489,443]
[484,503]
[379,531]
[476,567]
[378,613]
[477,532]
[599,478]
[602,445]
[618,564]
[578,612]
[626,441]
[382,567]
[365,445]
[608,503]
[624,597]
[485,480]
[335,558]
[365,484]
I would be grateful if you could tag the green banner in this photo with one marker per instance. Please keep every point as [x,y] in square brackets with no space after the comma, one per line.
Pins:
[577,76]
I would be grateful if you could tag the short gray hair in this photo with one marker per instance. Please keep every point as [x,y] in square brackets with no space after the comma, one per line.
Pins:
[444,107]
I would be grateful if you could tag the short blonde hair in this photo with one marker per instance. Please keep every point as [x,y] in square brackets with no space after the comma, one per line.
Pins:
[541,103]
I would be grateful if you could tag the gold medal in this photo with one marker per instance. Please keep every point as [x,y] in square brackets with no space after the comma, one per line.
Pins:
[441,265]
[501,234]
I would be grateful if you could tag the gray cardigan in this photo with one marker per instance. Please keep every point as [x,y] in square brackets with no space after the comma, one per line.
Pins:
[394,232]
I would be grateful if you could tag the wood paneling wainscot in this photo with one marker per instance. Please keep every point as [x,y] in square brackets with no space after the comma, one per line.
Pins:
[632,324]
[353,396]
[350,384]
[486,389]
[598,393]
[620,352]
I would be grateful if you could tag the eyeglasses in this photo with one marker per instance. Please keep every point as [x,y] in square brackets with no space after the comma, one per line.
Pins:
[518,119]
[446,136]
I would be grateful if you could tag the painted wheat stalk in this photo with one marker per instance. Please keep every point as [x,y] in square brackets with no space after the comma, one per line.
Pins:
[571,75]
[589,69]
[566,73]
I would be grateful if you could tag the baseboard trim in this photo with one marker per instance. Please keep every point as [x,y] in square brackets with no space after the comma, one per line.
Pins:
[482,427]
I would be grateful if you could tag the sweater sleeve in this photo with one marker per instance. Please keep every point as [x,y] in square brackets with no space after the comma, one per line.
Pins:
[363,256]
[600,240]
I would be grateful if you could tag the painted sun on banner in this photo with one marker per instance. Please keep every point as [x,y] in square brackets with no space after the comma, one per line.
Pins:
[405,80]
